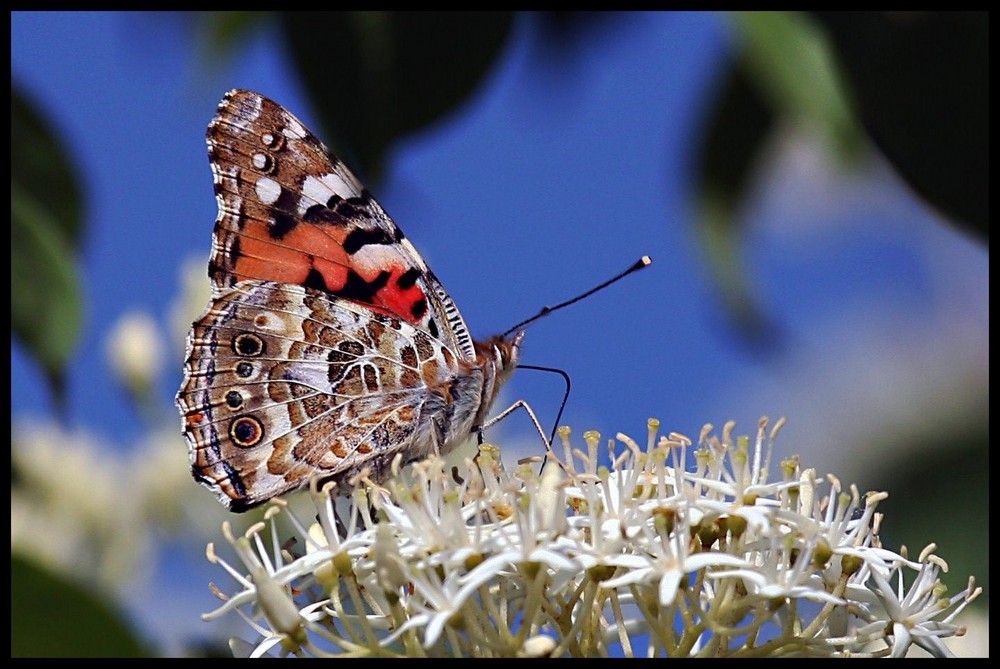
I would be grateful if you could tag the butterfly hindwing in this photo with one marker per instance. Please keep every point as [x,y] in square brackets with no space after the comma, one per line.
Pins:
[286,382]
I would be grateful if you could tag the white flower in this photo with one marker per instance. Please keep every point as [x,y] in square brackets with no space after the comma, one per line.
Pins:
[917,615]
[638,558]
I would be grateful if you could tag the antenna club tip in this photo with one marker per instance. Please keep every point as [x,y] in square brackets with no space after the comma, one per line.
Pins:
[642,262]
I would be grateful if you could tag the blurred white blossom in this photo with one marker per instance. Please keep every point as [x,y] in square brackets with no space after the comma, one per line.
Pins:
[91,509]
[189,305]
[135,351]
[71,511]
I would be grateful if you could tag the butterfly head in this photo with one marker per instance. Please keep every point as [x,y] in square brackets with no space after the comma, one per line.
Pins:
[498,357]
[509,353]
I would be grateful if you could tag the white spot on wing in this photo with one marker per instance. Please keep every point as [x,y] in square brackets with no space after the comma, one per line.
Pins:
[259,160]
[257,105]
[293,129]
[267,190]
[375,257]
[319,190]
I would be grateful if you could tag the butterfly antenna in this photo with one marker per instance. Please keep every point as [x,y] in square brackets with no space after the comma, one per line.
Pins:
[639,264]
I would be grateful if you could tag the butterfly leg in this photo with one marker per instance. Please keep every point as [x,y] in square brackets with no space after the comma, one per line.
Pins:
[520,404]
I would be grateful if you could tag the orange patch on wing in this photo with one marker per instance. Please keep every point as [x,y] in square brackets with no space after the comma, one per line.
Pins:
[308,247]
[291,258]
[337,448]
[400,301]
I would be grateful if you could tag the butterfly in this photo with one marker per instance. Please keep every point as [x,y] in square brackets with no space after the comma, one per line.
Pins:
[329,347]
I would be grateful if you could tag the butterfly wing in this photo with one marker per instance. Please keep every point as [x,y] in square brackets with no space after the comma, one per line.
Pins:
[290,211]
[329,345]
[283,383]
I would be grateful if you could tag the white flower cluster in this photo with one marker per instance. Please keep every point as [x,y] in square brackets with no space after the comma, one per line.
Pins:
[639,558]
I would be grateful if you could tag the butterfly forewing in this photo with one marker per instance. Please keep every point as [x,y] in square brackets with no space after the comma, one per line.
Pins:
[289,211]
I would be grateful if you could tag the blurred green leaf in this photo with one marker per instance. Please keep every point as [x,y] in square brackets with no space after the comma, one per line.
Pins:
[53,617]
[919,81]
[741,120]
[790,62]
[376,76]
[46,312]
[783,71]
[39,165]
[921,84]
[223,31]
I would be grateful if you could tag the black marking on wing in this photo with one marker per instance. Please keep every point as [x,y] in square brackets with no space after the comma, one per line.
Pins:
[359,290]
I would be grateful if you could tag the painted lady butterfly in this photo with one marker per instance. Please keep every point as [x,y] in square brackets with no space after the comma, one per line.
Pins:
[329,345]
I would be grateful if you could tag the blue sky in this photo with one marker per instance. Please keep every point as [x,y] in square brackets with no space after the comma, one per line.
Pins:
[541,185]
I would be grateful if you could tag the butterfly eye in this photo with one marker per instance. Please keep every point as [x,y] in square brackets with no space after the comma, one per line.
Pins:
[248,345]
[246,432]
[234,399]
